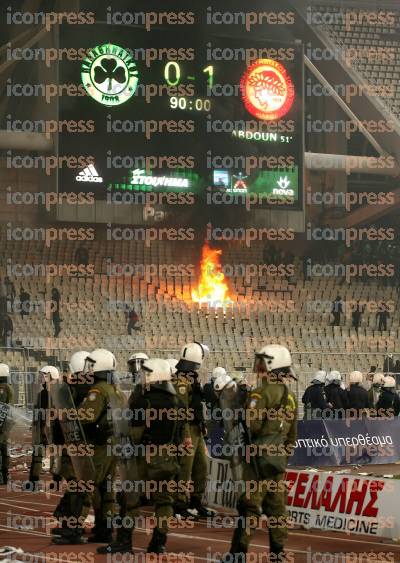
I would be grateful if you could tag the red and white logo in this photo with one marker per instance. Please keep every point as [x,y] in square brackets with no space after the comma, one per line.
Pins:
[267,89]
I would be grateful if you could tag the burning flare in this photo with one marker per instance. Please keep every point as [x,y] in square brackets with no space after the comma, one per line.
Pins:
[212,288]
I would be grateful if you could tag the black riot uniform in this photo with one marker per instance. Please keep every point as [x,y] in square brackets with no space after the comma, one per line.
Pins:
[337,397]
[357,397]
[388,404]
[157,441]
[315,401]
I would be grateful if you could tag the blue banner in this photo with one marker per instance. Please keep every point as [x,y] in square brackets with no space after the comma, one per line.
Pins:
[325,443]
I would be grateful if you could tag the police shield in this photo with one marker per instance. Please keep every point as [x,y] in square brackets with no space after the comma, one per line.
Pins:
[14,423]
[72,430]
[229,401]
[39,441]
[14,429]
[124,447]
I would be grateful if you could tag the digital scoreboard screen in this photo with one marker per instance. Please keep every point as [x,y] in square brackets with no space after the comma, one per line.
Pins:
[173,111]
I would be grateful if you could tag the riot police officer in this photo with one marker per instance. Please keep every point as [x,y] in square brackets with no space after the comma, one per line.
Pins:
[193,467]
[314,398]
[157,420]
[6,398]
[135,363]
[388,404]
[375,389]
[232,403]
[336,396]
[75,501]
[271,419]
[45,429]
[96,419]
[357,395]
[128,468]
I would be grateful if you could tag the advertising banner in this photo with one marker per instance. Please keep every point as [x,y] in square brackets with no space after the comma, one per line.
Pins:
[330,443]
[353,504]
[323,443]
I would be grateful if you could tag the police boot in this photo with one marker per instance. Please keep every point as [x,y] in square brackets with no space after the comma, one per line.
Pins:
[238,549]
[237,553]
[202,511]
[102,533]
[276,553]
[157,542]
[122,543]
[68,536]
[185,513]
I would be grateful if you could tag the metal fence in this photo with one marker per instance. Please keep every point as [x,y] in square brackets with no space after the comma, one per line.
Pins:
[305,364]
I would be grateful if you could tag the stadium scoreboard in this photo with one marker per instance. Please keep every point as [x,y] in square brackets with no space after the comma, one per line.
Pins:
[183,112]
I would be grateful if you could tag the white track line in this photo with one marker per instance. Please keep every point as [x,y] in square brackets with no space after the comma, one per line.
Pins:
[142,530]
[188,536]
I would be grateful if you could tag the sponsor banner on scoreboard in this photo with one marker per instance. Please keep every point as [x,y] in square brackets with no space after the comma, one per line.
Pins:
[322,443]
[353,504]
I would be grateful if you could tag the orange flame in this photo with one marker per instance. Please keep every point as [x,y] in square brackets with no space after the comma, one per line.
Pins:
[212,287]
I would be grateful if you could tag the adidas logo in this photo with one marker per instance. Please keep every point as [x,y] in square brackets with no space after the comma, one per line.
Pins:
[89,174]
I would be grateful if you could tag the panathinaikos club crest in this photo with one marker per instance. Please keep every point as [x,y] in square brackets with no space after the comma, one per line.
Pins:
[109,74]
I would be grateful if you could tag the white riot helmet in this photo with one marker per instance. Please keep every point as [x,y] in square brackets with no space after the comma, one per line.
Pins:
[355,377]
[192,356]
[389,383]
[4,373]
[101,362]
[49,374]
[378,379]
[217,372]
[319,377]
[156,370]
[223,381]
[173,362]
[135,362]
[77,361]
[334,376]
[274,358]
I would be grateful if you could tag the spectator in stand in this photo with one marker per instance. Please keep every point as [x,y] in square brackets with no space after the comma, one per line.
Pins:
[375,390]
[337,310]
[383,315]
[3,297]
[356,316]
[133,319]
[11,293]
[81,255]
[8,329]
[25,302]
[357,395]
[314,398]
[2,331]
[336,396]
[388,404]
[55,299]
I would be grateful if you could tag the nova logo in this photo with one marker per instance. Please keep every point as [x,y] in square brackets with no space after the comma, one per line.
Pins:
[89,174]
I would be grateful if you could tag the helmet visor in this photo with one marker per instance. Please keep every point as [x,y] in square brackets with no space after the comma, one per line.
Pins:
[135,365]
[89,366]
[260,366]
